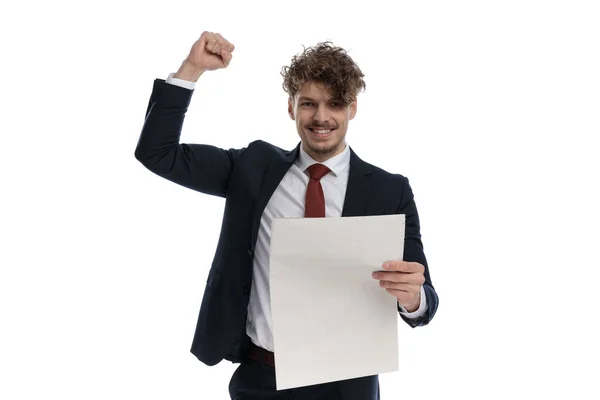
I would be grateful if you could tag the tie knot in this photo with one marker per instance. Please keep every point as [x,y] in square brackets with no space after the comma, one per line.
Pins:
[317,171]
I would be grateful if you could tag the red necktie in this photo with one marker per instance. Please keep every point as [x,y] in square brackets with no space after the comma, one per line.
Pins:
[315,200]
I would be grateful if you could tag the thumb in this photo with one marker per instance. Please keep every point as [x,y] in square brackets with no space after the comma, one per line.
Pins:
[226,56]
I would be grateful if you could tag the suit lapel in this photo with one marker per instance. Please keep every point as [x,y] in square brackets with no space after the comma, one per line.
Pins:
[276,170]
[358,189]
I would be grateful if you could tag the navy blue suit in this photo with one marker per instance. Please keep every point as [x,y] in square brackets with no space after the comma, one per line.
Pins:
[247,178]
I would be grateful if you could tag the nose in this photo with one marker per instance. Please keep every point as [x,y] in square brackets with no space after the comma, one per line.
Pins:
[321,115]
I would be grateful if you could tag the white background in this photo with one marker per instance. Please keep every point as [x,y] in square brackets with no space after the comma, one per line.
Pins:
[491,109]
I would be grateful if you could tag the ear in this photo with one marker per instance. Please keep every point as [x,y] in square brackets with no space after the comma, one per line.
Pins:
[353,107]
[291,108]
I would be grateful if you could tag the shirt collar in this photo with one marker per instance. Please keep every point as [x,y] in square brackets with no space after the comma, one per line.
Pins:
[336,164]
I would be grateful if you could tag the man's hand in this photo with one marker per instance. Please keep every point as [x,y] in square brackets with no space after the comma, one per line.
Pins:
[211,51]
[403,280]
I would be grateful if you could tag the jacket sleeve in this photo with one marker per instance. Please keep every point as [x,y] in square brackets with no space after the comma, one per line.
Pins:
[413,251]
[199,167]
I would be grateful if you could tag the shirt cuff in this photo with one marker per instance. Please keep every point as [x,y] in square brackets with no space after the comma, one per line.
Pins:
[180,82]
[420,311]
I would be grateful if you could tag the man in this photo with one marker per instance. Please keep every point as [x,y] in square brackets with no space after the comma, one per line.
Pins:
[321,177]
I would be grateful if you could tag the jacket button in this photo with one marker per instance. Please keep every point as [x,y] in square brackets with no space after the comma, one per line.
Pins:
[250,253]
[246,290]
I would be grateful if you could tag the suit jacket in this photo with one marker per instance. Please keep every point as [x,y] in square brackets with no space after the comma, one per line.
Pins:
[247,178]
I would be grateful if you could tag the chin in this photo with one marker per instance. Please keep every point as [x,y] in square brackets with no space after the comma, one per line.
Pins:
[323,148]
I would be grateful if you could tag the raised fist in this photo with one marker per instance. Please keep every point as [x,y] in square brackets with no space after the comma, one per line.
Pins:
[211,51]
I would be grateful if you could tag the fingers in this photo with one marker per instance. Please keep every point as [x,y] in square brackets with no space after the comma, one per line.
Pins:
[217,44]
[226,44]
[226,56]
[400,277]
[403,266]
[404,287]
[403,280]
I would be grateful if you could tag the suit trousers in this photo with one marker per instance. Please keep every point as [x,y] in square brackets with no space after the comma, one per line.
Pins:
[256,381]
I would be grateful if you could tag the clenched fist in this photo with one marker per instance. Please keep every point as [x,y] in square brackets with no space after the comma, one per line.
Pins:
[210,52]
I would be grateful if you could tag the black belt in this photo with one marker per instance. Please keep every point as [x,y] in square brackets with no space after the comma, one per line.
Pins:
[261,355]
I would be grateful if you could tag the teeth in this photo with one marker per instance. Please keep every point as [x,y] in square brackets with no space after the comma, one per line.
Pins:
[322,130]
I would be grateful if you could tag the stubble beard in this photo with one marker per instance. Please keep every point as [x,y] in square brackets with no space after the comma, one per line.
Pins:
[325,151]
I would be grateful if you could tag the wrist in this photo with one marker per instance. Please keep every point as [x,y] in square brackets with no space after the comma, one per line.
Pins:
[412,308]
[188,72]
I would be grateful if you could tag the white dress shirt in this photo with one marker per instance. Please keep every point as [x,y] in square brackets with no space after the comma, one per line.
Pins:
[288,202]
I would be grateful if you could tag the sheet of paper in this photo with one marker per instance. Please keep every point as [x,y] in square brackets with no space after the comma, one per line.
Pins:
[331,319]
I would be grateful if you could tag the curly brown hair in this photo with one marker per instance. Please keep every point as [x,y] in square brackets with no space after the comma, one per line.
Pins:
[328,65]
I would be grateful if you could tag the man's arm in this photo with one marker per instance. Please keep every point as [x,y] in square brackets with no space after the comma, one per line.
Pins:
[200,167]
[413,252]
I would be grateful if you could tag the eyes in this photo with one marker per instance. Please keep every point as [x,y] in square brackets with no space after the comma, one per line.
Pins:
[333,104]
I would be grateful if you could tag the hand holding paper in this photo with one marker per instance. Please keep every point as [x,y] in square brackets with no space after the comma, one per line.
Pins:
[403,280]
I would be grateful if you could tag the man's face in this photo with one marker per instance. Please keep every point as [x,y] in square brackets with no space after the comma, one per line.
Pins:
[321,121]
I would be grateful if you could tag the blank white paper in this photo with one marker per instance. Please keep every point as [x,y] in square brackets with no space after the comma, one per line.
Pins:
[331,320]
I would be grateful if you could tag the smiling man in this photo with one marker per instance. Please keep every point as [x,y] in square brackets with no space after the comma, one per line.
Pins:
[321,177]
[321,120]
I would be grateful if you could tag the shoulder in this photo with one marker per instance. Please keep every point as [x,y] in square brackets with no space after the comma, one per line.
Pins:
[261,151]
[259,154]
[388,176]
[392,183]
[393,187]
[378,174]
[266,147]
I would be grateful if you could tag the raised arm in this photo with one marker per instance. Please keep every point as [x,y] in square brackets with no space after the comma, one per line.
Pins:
[200,167]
